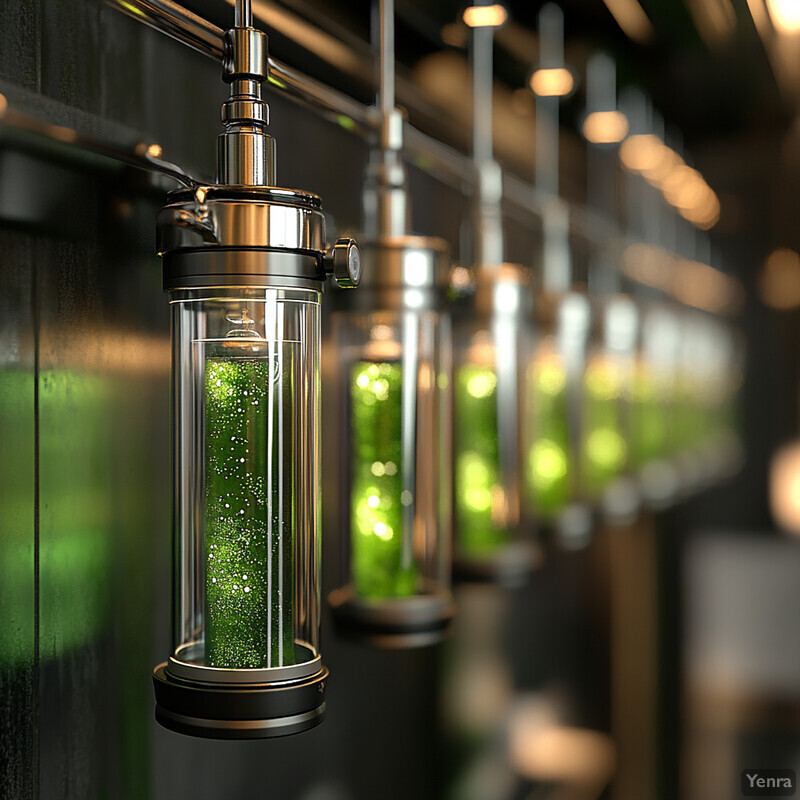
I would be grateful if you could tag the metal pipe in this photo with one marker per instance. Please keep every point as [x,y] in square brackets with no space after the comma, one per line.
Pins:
[175,21]
[386,91]
[243,16]
[482,43]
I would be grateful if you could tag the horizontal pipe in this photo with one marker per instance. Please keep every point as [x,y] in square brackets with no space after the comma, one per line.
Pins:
[429,154]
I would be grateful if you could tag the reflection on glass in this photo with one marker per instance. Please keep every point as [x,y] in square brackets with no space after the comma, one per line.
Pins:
[480,500]
[548,467]
[249,529]
[379,566]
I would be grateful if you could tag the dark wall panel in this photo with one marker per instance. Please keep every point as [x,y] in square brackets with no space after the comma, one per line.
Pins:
[18,634]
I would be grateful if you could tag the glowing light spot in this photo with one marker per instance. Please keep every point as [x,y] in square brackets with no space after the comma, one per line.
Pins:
[391,468]
[378,469]
[406,498]
[362,381]
[373,501]
[383,531]
[478,499]
[548,463]
[603,381]
[381,389]
[552,378]
[481,384]
[606,448]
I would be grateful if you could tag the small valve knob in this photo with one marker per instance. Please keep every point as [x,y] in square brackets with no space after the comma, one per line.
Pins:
[345,263]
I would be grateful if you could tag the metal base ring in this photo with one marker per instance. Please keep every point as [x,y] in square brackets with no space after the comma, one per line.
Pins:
[238,711]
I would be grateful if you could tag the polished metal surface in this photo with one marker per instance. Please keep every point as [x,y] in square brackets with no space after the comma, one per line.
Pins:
[240,728]
[274,218]
[143,155]
[245,157]
[403,272]
[346,263]
[488,216]
[176,21]
[245,151]
[504,291]
[186,666]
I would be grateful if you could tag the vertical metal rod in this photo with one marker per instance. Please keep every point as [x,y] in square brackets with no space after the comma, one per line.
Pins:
[482,41]
[243,15]
[551,49]
[602,168]
[386,88]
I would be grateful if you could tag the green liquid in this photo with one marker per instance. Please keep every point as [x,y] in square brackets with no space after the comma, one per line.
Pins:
[377,499]
[479,496]
[249,512]
[548,466]
[650,418]
[605,451]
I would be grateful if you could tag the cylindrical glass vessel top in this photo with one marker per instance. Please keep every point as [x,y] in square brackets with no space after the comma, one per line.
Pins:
[246,411]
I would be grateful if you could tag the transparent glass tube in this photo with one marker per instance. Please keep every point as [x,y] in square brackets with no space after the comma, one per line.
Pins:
[246,454]
[608,384]
[394,376]
[605,442]
[489,437]
[480,498]
[549,463]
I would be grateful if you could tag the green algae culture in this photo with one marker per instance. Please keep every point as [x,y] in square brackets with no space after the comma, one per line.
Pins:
[605,450]
[479,495]
[650,415]
[249,513]
[548,463]
[381,566]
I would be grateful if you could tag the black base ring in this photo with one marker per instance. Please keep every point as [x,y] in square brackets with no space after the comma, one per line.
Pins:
[510,566]
[392,623]
[239,711]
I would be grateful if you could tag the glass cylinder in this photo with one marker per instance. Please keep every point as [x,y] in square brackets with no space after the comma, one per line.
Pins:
[393,381]
[493,349]
[554,395]
[607,468]
[246,413]
[654,396]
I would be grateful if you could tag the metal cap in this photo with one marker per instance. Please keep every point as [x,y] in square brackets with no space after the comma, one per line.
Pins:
[505,290]
[402,272]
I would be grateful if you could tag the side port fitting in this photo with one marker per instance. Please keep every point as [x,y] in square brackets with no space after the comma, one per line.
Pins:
[344,263]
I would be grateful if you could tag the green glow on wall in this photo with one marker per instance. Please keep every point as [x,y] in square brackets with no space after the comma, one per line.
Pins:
[378,498]
[548,465]
[479,496]
[249,513]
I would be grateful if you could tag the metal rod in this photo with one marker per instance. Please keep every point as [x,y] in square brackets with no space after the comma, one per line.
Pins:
[140,154]
[386,89]
[175,21]
[482,41]
[243,16]
[551,49]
